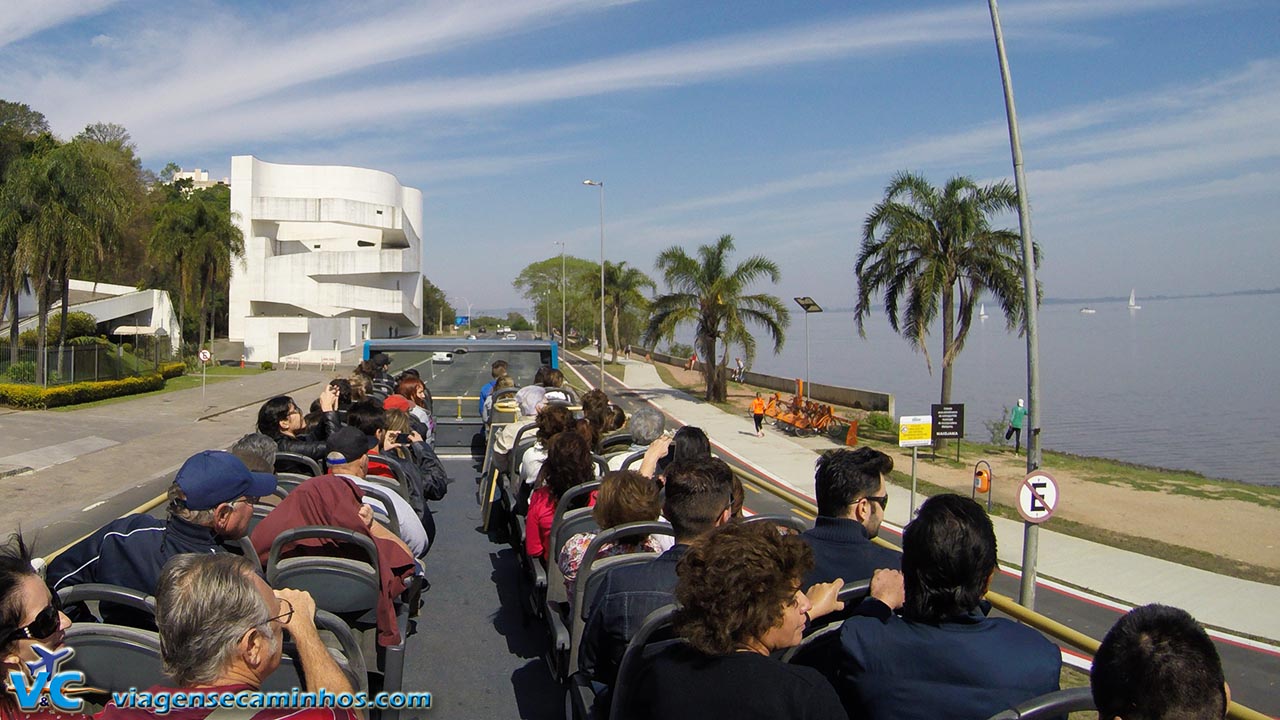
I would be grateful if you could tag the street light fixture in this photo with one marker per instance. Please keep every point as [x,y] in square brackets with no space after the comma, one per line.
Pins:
[600,185]
[810,307]
[563,323]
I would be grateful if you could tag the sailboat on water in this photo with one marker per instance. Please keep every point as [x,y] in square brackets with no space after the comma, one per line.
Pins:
[982,311]
[1133,301]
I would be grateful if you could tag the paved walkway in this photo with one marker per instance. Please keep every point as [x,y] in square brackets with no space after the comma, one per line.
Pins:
[1226,602]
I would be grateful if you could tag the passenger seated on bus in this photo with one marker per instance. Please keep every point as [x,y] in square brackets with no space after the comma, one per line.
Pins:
[29,614]
[617,419]
[400,403]
[349,458]
[741,600]
[418,460]
[689,443]
[551,421]
[222,631]
[698,495]
[646,425]
[380,363]
[553,379]
[257,452]
[420,402]
[335,501]
[282,420]
[502,383]
[568,465]
[1157,662]
[852,497]
[943,657]
[529,400]
[625,496]
[595,410]
[211,499]
[497,370]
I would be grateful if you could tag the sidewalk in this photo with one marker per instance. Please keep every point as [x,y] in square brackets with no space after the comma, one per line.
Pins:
[1226,602]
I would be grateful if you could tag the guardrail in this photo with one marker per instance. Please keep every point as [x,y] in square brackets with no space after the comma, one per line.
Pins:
[1005,604]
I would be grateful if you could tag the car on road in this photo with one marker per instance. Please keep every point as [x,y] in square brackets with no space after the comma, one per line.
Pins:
[442,357]
[512,336]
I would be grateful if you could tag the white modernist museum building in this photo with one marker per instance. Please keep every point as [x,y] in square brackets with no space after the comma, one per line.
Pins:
[333,256]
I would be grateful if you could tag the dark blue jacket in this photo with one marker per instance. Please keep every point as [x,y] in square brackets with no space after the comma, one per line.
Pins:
[626,597]
[129,552]
[970,666]
[841,549]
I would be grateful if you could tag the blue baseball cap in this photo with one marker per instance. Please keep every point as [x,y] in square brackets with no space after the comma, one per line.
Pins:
[213,477]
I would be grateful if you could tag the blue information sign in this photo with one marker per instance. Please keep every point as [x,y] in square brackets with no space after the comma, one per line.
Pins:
[461,320]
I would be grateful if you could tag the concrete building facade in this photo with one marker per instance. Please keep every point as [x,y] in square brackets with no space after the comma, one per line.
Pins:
[333,256]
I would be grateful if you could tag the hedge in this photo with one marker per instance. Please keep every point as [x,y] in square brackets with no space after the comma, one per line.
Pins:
[34,396]
[172,369]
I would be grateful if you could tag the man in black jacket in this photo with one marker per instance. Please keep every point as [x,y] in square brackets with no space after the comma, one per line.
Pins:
[852,497]
[211,499]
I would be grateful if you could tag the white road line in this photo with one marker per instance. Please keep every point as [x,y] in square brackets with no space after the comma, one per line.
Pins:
[97,504]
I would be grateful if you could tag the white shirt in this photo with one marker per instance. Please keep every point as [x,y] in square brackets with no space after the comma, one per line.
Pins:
[411,530]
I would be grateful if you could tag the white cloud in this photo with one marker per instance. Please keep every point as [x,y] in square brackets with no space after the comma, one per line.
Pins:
[24,18]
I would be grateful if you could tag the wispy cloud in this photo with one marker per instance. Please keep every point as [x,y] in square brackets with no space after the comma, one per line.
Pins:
[24,18]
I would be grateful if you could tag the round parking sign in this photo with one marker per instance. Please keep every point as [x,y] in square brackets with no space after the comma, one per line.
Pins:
[205,356]
[1037,497]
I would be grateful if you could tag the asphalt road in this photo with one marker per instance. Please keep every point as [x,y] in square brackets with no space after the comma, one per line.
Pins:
[1253,674]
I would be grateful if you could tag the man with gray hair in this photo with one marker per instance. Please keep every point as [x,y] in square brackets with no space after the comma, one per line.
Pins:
[646,425]
[257,452]
[222,634]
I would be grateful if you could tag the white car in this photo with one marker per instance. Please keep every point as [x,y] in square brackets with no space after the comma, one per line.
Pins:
[512,336]
[442,357]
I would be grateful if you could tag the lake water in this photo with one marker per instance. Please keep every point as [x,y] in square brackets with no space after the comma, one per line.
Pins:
[1180,383]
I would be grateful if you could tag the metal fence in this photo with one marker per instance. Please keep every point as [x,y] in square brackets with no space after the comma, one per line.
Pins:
[81,363]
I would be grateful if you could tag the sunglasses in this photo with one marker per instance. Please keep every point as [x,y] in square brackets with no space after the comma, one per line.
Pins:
[882,499]
[48,622]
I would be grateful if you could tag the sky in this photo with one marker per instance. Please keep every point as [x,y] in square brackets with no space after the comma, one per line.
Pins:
[1151,128]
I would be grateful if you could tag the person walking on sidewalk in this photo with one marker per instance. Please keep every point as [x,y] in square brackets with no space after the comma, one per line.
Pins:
[741,369]
[757,413]
[1016,418]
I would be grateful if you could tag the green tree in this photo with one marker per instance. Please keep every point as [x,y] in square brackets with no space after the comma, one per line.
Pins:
[711,295]
[65,207]
[622,296]
[929,252]
[435,308]
[22,132]
[195,234]
[581,291]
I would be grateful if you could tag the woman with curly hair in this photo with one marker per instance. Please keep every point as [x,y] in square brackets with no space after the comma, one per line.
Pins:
[551,421]
[740,598]
[568,464]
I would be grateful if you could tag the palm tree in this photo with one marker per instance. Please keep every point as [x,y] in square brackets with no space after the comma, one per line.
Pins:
[622,286]
[921,245]
[709,294]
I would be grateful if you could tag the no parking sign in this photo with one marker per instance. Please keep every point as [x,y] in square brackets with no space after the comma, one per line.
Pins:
[1037,497]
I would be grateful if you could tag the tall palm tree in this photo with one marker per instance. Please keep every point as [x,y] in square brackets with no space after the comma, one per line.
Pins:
[622,286]
[710,294]
[936,251]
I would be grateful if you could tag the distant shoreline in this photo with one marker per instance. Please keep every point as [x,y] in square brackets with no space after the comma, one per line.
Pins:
[1125,299]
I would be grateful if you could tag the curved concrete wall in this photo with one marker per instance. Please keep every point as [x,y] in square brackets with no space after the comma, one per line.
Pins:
[323,242]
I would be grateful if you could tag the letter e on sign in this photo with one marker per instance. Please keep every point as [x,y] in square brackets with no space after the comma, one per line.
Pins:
[1037,497]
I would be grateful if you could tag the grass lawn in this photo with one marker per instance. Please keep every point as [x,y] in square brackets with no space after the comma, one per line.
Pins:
[216,374]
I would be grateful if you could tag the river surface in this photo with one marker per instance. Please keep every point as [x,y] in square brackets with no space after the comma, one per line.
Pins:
[1187,383]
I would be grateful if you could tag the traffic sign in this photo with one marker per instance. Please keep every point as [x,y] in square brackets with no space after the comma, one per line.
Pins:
[205,356]
[1037,497]
[915,431]
[948,421]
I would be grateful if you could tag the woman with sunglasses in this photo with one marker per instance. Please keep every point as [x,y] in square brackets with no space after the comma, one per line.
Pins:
[29,614]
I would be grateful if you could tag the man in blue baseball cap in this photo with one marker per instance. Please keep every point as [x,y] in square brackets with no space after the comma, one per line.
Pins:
[210,500]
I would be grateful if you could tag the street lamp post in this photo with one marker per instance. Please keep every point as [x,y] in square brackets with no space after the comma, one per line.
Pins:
[1031,531]
[600,185]
[563,322]
[809,307]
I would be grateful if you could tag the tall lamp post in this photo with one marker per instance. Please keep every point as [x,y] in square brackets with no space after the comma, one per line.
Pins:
[809,307]
[1031,531]
[600,185]
[563,323]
